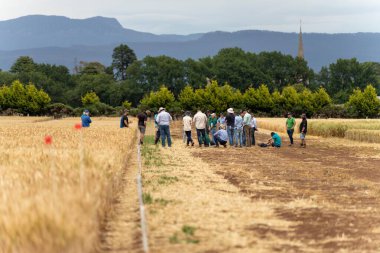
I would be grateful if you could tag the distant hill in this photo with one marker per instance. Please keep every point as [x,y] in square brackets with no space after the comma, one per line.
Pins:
[60,40]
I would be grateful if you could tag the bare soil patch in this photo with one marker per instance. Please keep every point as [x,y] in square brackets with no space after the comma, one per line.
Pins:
[329,193]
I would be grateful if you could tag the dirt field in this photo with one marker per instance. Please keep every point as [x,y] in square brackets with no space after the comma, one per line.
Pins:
[324,198]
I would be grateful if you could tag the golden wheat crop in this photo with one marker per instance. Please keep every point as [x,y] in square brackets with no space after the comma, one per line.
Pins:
[54,197]
[357,130]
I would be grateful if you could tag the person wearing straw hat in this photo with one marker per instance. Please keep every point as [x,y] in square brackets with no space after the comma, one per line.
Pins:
[230,120]
[200,122]
[163,120]
[187,122]
[86,120]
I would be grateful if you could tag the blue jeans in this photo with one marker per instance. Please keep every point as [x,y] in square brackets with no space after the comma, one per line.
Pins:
[165,134]
[201,134]
[219,141]
[230,132]
[290,133]
[239,136]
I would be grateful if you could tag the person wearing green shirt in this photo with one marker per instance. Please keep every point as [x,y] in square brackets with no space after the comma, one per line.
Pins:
[290,125]
[212,125]
[247,128]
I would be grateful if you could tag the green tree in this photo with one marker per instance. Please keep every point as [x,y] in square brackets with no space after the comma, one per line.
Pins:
[127,105]
[122,57]
[90,99]
[364,104]
[24,64]
[92,68]
[161,98]
[291,98]
[320,99]
[264,99]
[187,98]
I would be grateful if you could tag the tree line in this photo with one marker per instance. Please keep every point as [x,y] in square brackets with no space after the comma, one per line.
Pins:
[127,81]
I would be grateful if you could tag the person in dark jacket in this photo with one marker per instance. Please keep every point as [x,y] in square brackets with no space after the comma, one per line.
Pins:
[124,121]
[230,121]
[303,130]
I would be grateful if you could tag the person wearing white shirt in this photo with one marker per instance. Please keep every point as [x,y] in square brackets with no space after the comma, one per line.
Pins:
[200,122]
[187,122]
[254,129]
[163,121]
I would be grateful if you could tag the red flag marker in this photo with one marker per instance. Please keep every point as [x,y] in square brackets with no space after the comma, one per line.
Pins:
[78,126]
[48,140]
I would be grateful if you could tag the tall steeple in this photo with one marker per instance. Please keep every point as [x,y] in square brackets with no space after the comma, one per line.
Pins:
[300,43]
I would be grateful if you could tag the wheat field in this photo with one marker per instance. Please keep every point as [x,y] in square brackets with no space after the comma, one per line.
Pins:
[351,129]
[54,197]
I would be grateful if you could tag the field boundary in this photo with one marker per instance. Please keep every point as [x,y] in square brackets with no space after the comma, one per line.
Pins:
[144,232]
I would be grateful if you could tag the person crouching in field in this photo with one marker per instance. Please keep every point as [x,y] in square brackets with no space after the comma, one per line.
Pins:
[124,121]
[200,121]
[163,120]
[303,130]
[221,137]
[275,140]
[86,120]
[187,122]
[142,118]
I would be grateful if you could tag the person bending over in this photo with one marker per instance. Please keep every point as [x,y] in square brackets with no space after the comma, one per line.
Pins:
[275,140]
[221,137]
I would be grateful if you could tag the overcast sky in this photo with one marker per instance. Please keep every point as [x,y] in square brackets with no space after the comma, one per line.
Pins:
[191,16]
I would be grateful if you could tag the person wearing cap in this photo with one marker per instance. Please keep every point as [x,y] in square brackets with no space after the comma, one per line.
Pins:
[200,122]
[247,128]
[212,124]
[124,122]
[187,122]
[163,120]
[86,120]
[290,125]
[142,118]
[230,120]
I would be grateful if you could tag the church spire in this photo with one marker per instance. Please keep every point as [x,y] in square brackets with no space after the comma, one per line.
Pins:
[300,43]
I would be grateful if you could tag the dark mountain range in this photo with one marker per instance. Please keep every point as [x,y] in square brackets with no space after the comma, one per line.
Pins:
[60,40]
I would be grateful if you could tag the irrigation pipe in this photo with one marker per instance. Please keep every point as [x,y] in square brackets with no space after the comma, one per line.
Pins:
[144,232]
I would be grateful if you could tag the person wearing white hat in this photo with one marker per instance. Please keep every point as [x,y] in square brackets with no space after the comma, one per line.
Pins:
[230,120]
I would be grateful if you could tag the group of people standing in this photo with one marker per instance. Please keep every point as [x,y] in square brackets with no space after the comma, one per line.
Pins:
[235,129]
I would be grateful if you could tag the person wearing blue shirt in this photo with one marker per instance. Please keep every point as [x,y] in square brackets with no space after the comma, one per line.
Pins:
[221,137]
[275,140]
[86,120]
